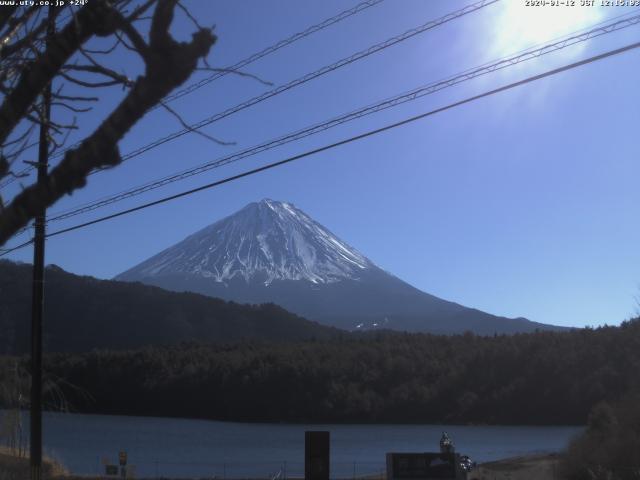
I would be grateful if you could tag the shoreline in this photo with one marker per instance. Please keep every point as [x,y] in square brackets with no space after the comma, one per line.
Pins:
[314,423]
[526,467]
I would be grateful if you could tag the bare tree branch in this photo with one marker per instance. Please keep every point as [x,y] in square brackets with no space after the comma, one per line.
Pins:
[236,72]
[186,126]
[75,99]
[4,166]
[103,52]
[139,45]
[14,24]
[96,18]
[168,64]
[71,108]
[19,138]
[135,15]
[32,34]
[55,145]
[189,16]
[87,84]
[6,14]
[115,76]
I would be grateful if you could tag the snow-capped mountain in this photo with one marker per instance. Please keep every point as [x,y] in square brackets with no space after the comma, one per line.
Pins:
[264,241]
[271,251]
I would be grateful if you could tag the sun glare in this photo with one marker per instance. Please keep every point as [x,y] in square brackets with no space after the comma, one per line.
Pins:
[521,26]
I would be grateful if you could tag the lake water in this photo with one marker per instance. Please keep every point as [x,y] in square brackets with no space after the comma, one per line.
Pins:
[184,448]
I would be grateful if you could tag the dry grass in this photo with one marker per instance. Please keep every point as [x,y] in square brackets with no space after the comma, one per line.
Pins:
[18,468]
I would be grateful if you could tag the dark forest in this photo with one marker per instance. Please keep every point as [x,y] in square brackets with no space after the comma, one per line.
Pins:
[540,378]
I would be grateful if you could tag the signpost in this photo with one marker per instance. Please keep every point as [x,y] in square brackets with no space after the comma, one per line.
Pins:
[316,455]
[424,466]
[122,470]
[122,456]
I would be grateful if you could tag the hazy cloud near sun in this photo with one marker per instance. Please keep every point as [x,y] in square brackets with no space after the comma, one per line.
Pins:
[518,27]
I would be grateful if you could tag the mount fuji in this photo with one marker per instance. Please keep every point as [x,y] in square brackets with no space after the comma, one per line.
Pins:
[271,251]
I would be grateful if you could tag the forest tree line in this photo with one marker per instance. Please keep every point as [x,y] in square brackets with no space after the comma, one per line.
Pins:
[539,378]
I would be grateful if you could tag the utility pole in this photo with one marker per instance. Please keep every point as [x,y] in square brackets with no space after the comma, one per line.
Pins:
[37,305]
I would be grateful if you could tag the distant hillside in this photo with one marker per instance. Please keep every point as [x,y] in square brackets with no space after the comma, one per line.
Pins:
[84,313]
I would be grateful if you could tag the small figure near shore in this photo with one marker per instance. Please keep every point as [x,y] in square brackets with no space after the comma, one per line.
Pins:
[446,444]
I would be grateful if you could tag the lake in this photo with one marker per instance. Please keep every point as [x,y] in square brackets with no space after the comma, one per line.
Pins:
[173,447]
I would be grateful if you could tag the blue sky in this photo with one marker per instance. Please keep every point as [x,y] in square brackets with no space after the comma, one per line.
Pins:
[521,204]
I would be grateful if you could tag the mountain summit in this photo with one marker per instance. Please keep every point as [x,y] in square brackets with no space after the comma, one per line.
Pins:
[271,251]
[265,241]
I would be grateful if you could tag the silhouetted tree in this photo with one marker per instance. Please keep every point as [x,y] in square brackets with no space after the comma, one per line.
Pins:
[30,59]
[609,449]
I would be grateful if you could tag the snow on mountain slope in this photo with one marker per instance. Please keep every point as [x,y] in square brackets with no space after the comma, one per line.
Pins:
[273,252]
[265,241]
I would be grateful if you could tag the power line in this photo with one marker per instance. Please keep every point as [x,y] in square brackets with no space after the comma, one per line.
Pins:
[355,138]
[368,110]
[576,33]
[20,174]
[273,48]
[20,232]
[294,83]
[236,66]
[308,77]
[313,75]
[7,251]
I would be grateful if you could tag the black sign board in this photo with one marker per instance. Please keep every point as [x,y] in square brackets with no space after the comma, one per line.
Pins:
[316,455]
[423,466]
[122,456]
